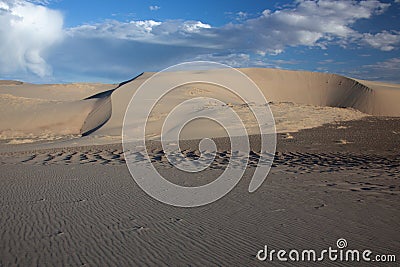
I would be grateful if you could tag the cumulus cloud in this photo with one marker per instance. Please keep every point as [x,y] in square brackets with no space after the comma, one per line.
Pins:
[27,31]
[310,23]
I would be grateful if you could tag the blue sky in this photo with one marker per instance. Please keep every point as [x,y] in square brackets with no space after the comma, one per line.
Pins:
[109,41]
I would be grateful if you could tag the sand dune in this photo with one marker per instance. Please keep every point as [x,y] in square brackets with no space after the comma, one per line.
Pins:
[48,111]
[298,100]
[49,119]
[305,90]
[323,89]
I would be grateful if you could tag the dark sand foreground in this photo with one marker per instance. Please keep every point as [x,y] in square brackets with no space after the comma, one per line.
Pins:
[80,206]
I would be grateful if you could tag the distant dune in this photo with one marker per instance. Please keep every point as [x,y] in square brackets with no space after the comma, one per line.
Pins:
[10,82]
[30,111]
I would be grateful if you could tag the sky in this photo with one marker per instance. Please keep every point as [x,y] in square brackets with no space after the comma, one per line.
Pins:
[49,41]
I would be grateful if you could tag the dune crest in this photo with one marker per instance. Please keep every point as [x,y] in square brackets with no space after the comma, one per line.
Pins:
[102,111]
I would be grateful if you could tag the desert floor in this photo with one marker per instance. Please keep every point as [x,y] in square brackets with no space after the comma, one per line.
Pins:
[79,206]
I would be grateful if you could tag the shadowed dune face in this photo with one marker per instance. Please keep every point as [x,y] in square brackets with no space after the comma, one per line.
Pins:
[75,109]
[323,89]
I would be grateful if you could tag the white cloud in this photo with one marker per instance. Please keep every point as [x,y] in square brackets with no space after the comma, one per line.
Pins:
[385,41]
[154,8]
[311,23]
[146,25]
[172,32]
[193,27]
[27,31]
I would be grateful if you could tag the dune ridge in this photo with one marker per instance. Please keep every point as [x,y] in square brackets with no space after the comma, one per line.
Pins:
[102,111]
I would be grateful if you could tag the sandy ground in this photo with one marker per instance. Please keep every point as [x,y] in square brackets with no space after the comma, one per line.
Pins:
[79,206]
[67,197]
